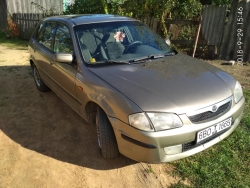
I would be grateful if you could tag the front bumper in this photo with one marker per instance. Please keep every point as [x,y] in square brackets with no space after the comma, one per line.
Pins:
[149,146]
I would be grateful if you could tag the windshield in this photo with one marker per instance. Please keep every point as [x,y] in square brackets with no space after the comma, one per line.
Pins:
[118,41]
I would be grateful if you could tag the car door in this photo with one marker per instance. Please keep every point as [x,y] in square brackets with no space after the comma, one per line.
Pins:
[61,74]
[42,49]
[60,77]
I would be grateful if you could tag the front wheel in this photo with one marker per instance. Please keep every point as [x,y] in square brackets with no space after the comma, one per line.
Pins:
[106,137]
[41,86]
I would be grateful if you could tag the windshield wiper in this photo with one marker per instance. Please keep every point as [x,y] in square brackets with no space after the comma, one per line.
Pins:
[116,62]
[155,56]
[170,53]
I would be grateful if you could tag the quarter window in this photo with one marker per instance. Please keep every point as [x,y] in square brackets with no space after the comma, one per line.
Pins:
[63,42]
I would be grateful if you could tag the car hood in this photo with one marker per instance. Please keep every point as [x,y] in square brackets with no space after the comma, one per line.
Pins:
[176,84]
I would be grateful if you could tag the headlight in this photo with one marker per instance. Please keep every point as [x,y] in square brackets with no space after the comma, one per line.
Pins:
[163,121]
[238,93]
[140,121]
[160,121]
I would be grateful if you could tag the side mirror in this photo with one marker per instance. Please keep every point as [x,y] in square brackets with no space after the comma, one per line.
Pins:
[63,57]
[168,41]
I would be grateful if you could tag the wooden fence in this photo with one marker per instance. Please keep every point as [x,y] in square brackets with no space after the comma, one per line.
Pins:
[174,25]
[23,15]
[213,20]
[212,25]
[232,37]
[3,15]
[26,23]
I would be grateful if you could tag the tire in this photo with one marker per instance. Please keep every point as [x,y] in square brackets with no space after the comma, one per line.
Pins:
[41,86]
[106,137]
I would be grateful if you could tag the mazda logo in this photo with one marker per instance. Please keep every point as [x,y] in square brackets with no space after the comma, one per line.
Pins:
[214,108]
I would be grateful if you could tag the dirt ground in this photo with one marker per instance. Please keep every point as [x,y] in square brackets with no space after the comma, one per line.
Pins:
[43,143]
[241,73]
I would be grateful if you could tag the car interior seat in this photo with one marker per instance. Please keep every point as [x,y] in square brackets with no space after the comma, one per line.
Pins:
[110,48]
[92,40]
[85,53]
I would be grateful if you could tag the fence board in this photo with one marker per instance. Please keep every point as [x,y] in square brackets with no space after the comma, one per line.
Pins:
[3,15]
[182,22]
[155,24]
[213,19]
[189,42]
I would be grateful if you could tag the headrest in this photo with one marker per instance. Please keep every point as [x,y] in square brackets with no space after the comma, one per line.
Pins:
[85,52]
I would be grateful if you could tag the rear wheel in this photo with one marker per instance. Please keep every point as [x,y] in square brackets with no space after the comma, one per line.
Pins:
[41,86]
[106,137]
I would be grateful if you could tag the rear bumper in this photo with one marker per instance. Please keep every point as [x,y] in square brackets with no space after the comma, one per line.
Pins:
[149,146]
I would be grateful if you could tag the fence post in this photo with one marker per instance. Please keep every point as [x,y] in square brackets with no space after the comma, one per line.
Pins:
[197,36]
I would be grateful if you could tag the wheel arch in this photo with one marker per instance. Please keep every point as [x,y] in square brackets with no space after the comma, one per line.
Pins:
[31,62]
[90,112]
[104,102]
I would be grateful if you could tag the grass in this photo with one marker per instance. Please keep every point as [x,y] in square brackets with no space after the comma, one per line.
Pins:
[149,170]
[13,43]
[226,164]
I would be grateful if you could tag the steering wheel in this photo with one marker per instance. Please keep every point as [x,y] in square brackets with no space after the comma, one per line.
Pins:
[133,44]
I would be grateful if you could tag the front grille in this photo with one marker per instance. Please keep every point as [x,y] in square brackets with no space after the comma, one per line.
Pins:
[191,145]
[205,116]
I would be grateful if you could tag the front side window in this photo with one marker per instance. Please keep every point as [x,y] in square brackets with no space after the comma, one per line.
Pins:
[63,41]
[46,35]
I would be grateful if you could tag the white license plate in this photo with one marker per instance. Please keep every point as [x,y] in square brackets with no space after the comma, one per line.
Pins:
[210,131]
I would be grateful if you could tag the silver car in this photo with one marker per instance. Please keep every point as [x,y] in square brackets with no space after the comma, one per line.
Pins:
[147,101]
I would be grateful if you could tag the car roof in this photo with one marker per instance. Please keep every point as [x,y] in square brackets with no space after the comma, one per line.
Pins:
[78,19]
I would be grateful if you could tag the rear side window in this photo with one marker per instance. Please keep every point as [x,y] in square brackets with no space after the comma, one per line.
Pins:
[63,41]
[45,36]
[39,30]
